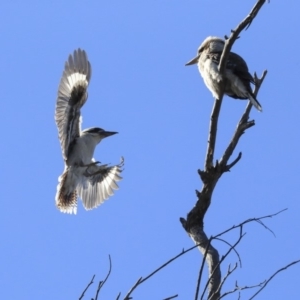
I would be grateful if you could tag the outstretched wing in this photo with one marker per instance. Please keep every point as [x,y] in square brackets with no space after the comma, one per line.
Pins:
[99,184]
[72,94]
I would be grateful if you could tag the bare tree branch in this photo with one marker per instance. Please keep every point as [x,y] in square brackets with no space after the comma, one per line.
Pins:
[271,277]
[229,166]
[91,282]
[258,220]
[212,294]
[127,297]
[217,237]
[243,125]
[213,126]
[194,224]
[172,297]
[141,279]
[211,174]
[240,288]
[262,285]
[229,272]
[231,246]
[235,33]
[218,102]
[101,283]
[201,269]
[205,254]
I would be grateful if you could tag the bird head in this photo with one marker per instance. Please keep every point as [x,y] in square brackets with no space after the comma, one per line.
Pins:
[97,133]
[210,44]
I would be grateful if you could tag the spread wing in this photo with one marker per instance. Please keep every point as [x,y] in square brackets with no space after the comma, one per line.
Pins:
[72,94]
[99,184]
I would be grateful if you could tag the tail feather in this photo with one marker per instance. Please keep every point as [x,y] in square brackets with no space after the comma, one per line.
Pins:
[66,198]
[255,102]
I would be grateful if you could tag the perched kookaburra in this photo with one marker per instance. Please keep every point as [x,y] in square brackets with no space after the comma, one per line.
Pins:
[82,177]
[236,72]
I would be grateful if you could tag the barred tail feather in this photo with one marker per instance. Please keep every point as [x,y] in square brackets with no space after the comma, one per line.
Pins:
[66,195]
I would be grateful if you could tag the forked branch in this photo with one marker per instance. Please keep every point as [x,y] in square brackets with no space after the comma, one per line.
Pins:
[194,224]
[100,284]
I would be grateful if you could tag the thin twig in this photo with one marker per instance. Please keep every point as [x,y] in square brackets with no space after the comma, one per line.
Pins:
[235,33]
[240,288]
[118,297]
[141,279]
[237,254]
[229,272]
[220,262]
[171,297]
[243,124]
[133,288]
[271,277]
[91,282]
[259,81]
[265,226]
[101,283]
[229,166]
[251,220]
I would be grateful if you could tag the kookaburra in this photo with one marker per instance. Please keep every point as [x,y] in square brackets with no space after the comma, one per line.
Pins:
[236,72]
[82,176]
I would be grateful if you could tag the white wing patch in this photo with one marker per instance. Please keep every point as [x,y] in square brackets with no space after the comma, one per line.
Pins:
[76,79]
[72,94]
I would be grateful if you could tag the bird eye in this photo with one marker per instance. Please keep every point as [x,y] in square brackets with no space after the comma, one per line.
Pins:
[200,50]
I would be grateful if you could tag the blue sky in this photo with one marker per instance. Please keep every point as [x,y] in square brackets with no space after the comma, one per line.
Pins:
[141,88]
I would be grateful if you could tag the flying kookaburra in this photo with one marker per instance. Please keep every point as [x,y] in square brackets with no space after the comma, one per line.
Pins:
[82,176]
[236,72]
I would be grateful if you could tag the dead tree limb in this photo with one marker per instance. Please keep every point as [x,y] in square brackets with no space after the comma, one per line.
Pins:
[90,283]
[194,223]
[271,277]
[141,279]
[230,270]
[100,284]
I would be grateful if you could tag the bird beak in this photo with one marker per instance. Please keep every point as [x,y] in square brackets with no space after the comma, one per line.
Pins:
[109,133]
[193,61]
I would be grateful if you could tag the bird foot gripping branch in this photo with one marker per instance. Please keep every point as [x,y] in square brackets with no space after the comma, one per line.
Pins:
[81,177]
[101,169]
